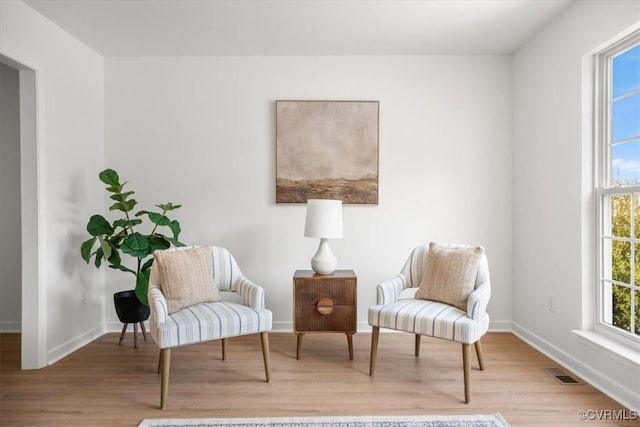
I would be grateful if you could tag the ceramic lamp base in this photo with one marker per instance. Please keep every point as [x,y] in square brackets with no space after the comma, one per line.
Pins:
[324,261]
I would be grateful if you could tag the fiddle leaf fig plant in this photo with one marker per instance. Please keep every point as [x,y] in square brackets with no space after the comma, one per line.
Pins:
[122,236]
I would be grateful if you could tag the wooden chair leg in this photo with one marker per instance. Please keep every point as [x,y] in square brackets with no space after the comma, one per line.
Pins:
[165,361]
[124,329]
[417,352]
[266,355]
[466,363]
[159,362]
[375,332]
[224,349]
[350,345]
[478,346]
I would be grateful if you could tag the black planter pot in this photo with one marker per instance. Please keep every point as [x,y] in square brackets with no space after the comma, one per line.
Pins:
[129,308]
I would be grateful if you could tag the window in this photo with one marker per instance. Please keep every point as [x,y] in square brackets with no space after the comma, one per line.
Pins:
[618,187]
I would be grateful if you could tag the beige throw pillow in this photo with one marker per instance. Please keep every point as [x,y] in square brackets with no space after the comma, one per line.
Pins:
[450,274]
[186,277]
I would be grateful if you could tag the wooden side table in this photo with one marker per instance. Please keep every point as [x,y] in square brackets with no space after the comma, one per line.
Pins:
[325,303]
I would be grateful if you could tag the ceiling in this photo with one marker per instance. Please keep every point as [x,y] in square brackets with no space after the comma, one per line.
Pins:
[304,27]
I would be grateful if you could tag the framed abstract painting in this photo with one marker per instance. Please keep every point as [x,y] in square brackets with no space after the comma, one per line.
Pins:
[327,150]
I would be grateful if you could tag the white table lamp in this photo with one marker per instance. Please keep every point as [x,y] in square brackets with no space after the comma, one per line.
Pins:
[324,220]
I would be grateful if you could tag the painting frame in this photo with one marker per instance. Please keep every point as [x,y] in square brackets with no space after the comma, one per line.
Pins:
[327,150]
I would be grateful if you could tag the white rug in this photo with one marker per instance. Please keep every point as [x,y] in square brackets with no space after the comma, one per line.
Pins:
[494,420]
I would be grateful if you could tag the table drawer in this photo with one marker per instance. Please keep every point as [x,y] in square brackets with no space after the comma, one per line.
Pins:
[341,319]
[340,291]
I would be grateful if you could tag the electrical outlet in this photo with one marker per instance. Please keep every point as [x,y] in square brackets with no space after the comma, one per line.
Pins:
[551,303]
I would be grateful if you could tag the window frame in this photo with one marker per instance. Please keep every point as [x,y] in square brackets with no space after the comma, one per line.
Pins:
[604,189]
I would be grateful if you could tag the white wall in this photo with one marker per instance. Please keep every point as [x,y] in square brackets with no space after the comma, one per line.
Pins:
[201,132]
[70,122]
[552,247]
[10,250]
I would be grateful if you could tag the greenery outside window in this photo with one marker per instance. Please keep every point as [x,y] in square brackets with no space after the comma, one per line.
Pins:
[618,187]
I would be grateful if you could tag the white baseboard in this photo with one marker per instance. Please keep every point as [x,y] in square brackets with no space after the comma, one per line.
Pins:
[363,327]
[618,392]
[282,327]
[500,326]
[287,327]
[70,346]
[10,327]
[111,327]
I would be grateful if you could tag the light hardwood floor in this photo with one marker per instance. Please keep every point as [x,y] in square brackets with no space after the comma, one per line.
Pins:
[104,384]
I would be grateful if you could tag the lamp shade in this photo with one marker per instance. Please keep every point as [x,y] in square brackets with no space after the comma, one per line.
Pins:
[324,219]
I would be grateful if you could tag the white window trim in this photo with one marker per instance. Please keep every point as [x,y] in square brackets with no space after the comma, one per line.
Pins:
[601,132]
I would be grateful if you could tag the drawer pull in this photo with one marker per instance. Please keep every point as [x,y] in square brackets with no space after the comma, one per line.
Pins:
[324,306]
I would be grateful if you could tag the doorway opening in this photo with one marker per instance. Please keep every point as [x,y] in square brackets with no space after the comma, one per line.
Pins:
[27,293]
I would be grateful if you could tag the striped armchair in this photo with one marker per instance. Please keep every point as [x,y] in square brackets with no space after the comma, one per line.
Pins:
[395,310]
[240,312]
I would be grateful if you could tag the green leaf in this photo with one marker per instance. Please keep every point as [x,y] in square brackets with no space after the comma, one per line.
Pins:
[117,239]
[98,262]
[110,177]
[156,218]
[106,248]
[142,286]
[136,245]
[130,204]
[147,265]
[121,197]
[86,247]
[169,207]
[175,228]
[158,242]
[122,268]
[99,226]
[114,189]
[124,223]
[140,213]
[117,206]
[124,206]
[175,242]
[114,259]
